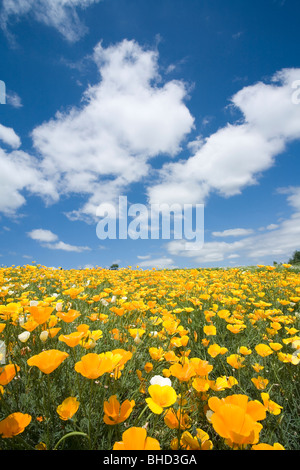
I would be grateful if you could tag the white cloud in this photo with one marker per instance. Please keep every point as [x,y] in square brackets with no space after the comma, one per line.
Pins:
[43,235]
[13,99]
[9,137]
[235,232]
[59,14]
[19,172]
[128,118]
[66,247]
[235,156]
[272,226]
[50,240]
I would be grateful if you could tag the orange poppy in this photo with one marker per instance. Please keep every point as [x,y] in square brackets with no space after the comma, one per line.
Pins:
[7,373]
[116,413]
[182,372]
[14,424]
[72,339]
[68,408]
[48,361]
[69,316]
[175,420]
[136,439]
[94,365]
[262,446]
[259,382]
[236,361]
[40,314]
[235,419]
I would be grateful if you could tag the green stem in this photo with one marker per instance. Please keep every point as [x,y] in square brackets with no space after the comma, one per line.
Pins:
[73,433]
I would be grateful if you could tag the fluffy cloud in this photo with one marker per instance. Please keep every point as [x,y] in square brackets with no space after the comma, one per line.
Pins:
[50,240]
[19,173]
[43,235]
[59,14]
[128,118]
[9,137]
[234,157]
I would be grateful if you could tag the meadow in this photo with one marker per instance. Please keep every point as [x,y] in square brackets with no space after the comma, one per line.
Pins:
[193,359]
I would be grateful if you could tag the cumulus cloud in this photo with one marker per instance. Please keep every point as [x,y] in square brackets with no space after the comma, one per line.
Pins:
[9,137]
[43,235]
[128,118]
[59,14]
[20,173]
[235,156]
[50,240]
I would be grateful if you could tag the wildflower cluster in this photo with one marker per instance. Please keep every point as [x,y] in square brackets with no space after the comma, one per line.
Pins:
[193,359]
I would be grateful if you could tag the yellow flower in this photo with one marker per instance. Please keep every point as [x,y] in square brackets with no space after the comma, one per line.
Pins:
[262,446]
[236,361]
[161,397]
[156,354]
[245,351]
[210,330]
[263,350]
[270,405]
[236,328]
[68,408]
[214,350]
[200,442]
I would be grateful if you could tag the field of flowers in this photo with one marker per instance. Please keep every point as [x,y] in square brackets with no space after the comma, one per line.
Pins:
[199,359]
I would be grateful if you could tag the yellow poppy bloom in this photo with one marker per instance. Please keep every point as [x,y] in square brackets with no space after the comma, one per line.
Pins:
[161,397]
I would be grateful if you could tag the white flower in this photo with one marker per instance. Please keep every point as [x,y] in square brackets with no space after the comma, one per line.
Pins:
[33,303]
[58,306]
[23,337]
[44,336]
[159,380]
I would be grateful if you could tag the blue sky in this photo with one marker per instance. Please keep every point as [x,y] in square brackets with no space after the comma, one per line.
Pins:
[174,101]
